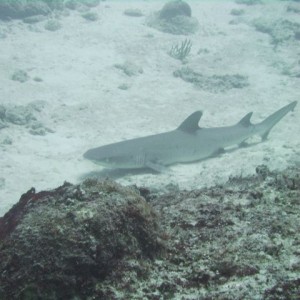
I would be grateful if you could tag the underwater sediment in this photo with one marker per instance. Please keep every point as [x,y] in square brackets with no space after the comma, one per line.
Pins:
[100,240]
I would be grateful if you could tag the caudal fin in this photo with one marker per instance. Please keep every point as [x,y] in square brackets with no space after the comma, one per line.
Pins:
[265,126]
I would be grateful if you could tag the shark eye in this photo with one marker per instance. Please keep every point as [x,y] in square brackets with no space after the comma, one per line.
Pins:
[107,160]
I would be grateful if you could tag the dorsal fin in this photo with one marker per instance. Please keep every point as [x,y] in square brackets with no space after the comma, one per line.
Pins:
[245,122]
[190,124]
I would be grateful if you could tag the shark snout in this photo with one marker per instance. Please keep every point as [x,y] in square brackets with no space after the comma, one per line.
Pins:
[100,156]
[94,154]
[89,154]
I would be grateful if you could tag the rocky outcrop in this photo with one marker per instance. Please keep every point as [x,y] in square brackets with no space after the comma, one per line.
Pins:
[99,240]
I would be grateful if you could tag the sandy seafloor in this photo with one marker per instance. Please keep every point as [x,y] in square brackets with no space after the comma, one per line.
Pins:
[85,107]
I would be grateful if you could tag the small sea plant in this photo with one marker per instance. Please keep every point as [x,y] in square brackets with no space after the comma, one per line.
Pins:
[181,51]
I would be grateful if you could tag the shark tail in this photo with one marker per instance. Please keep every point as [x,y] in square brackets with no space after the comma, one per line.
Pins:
[264,128]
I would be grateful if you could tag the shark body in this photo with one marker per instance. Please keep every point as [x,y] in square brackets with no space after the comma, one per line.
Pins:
[187,143]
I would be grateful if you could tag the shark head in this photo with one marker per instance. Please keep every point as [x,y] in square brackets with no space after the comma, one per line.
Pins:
[110,156]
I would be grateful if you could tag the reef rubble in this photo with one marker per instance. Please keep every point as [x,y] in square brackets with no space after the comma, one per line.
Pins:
[100,240]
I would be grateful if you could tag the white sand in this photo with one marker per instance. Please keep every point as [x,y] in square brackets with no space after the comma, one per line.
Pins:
[86,108]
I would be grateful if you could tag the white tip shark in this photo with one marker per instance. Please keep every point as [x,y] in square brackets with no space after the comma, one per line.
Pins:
[187,143]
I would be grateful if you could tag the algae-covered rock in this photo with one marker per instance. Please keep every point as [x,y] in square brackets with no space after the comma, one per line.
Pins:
[175,8]
[129,68]
[99,240]
[214,83]
[72,4]
[243,234]
[24,115]
[19,115]
[280,30]
[52,25]
[54,4]
[237,12]
[249,2]
[78,4]
[2,112]
[2,183]
[2,124]
[293,7]
[19,9]
[133,12]
[20,75]
[34,19]
[90,3]
[64,243]
[90,16]
[175,17]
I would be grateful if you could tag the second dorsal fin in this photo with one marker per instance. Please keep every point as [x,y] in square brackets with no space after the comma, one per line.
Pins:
[190,124]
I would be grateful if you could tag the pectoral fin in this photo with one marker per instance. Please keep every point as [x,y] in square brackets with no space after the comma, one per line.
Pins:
[218,152]
[156,167]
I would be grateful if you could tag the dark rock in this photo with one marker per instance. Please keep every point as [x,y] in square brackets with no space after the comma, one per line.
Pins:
[96,240]
[91,3]
[237,12]
[2,112]
[34,19]
[55,4]
[90,16]
[175,18]
[293,7]
[72,4]
[19,9]
[63,243]
[129,68]
[20,75]
[263,171]
[24,115]
[2,124]
[175,8]
[222,235]
[214,83]
[132,12]
[19,115]
[285,289]
[249,2]
[280,30]
[52,25]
